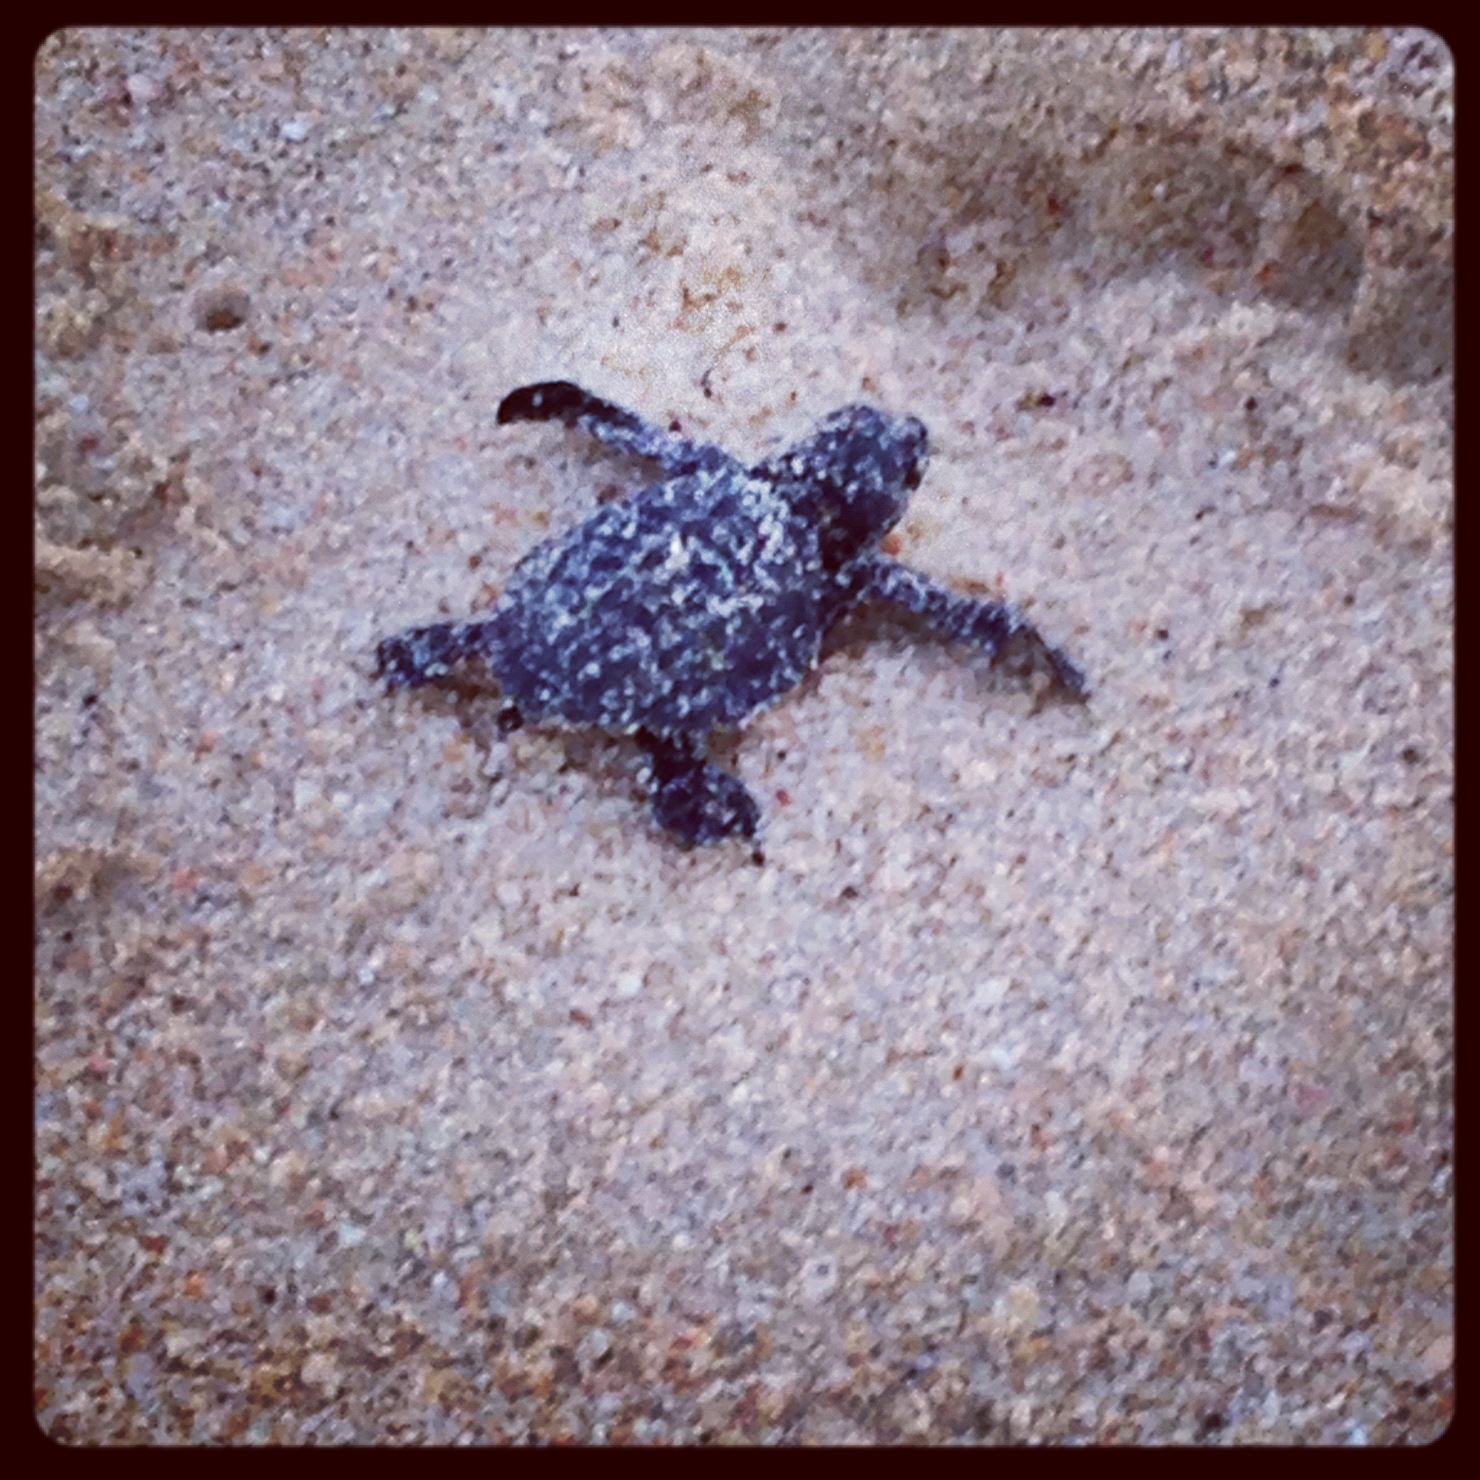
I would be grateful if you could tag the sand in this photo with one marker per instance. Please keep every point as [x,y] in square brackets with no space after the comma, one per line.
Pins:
[1063,1074]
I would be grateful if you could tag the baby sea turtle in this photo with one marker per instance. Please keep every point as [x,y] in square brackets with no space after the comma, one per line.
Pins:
[704,597]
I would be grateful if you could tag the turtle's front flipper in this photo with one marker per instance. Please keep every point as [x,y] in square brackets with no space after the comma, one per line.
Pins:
[694,799]
[984,625]
[567,403]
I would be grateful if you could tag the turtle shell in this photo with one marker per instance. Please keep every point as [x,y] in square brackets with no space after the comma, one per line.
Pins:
[689,605]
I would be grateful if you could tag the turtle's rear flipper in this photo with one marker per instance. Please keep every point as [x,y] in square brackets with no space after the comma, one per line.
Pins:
[694,799]
[429,654]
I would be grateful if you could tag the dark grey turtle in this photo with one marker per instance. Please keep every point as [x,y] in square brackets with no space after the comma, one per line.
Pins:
[702,598]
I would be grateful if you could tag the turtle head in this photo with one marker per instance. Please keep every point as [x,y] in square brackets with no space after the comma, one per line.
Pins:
[854,475]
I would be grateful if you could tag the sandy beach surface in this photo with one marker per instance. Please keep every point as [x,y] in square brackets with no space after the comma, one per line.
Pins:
[1063,1074]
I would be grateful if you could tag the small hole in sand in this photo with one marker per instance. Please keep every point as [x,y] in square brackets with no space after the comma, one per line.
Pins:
[222,309]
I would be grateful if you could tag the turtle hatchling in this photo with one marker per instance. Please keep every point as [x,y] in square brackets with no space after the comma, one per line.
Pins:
[704,597]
